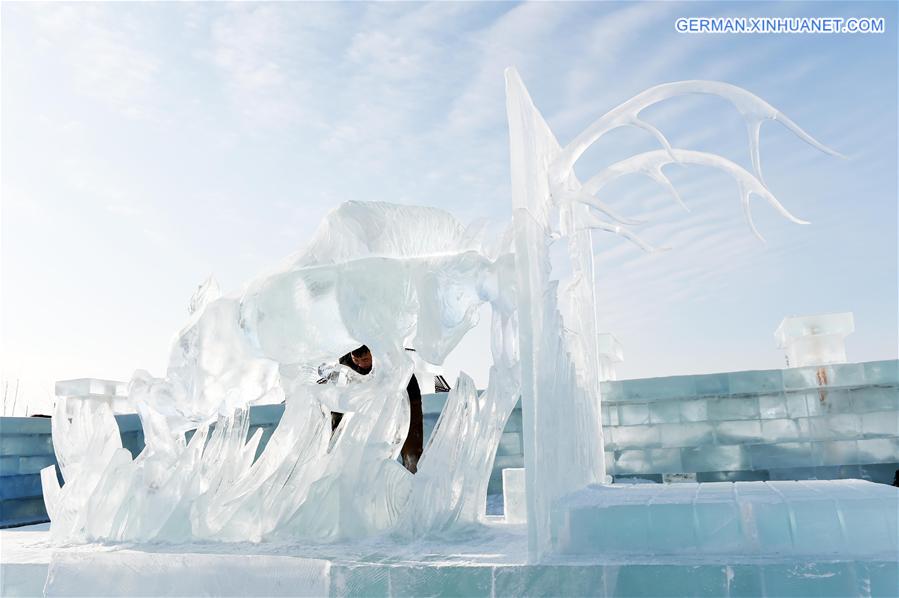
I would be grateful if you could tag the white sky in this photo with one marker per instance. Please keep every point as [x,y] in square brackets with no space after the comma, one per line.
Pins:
[146,146]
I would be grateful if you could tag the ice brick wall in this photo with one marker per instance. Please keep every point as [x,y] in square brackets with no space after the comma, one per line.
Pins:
[25,449]
[836,421]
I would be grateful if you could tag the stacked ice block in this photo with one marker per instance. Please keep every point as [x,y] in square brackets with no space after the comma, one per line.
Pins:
[815,340]
[769,519]
[825,422]
[113,392]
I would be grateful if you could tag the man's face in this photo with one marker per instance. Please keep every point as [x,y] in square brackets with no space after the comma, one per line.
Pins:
[363,361]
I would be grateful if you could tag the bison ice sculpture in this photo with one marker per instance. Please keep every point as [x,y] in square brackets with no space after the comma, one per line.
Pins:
[388,276]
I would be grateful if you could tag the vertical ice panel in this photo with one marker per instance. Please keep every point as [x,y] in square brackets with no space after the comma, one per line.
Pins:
[514,503]
[717,521]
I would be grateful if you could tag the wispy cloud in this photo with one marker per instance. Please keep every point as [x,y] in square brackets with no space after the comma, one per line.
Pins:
[215,136]
[105,52]
[249,45]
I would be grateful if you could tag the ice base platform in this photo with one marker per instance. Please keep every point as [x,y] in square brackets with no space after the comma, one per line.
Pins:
[822,538]
[180,574]
[813,518]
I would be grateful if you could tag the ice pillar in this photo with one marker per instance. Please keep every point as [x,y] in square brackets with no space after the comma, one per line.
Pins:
[559,361]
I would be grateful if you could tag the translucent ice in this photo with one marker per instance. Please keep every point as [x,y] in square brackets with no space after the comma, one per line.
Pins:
[357,283]
[558,335]
[514,503]
[815,340]
[394,278]
[746,518]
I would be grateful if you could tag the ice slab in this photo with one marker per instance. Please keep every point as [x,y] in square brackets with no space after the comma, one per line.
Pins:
[842,517]
[24,559]
[120,573]
[492,566]
[91,386]
[112,392]
[133,573]
[514,500]
[815,340]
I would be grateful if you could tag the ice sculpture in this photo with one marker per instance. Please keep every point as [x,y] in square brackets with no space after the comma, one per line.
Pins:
[390,277]
[559,355]
[815,340]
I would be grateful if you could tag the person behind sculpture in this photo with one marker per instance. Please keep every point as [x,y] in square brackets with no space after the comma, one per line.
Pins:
[359,360]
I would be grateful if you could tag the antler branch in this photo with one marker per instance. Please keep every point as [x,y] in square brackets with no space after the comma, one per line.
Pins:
[753,109]
[651,164]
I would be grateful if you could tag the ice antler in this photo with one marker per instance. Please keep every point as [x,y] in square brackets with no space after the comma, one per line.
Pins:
[651,163]
[753,109]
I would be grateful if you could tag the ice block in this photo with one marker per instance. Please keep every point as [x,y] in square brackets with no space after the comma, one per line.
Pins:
[815,340]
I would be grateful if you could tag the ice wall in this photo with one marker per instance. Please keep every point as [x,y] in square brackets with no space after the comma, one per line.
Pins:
[837,421]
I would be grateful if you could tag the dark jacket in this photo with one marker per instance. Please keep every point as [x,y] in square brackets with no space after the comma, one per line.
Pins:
[414,445]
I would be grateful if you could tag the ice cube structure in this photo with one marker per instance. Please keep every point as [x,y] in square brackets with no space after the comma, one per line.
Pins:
[815,340]
[113,392]
[611,353]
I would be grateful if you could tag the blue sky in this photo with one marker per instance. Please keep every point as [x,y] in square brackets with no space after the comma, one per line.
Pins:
[146,146]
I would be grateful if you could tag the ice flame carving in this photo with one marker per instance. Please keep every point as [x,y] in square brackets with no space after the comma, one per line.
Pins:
[388,276]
